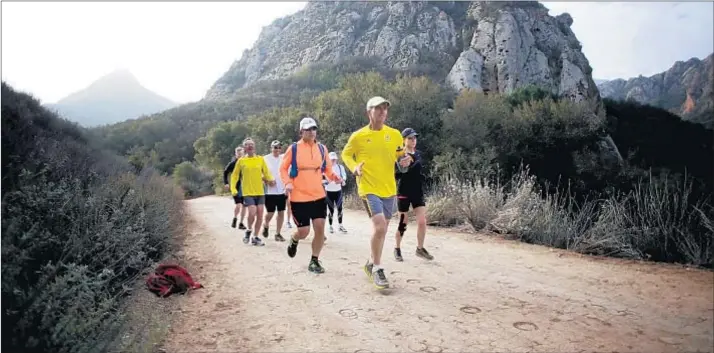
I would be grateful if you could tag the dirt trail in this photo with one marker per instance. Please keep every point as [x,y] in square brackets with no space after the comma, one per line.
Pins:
[479,294]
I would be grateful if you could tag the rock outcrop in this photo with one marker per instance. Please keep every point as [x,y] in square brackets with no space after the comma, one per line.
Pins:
[497,46]
[488,46]
[685,89]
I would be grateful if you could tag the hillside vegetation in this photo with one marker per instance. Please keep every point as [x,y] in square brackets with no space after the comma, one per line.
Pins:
[78,229]
[472,140]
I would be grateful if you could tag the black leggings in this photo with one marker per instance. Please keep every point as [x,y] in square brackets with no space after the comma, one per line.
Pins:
[334,198]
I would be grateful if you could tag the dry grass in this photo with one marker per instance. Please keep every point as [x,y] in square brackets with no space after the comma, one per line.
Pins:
[659,220]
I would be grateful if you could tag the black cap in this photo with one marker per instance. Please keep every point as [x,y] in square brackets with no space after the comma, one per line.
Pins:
[409,132]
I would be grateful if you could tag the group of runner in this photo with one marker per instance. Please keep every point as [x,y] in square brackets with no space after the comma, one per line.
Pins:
[307,180]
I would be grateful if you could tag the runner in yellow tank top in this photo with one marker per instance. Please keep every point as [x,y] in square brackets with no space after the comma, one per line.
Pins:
[370,154]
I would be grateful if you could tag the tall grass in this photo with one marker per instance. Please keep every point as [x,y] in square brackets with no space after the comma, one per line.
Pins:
[659,220]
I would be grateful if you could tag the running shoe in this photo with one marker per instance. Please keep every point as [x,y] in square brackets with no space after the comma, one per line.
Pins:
[380,280]
[343,229]
[331,229]
[257,242]
[315,267]
[279,237]
[265,232]
[288,224]
[292,247]
[424,254]
[246,238]
[398,254]
[233,224]
[241,226]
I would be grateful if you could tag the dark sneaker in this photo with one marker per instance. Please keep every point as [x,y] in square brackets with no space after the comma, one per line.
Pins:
[265,232]
[380,280]
[424,254]
[257,242]
[398,254]
[315,267]
[279,237]
[241,226]
[246,238]
[292,247]
[368,269]
[233,224]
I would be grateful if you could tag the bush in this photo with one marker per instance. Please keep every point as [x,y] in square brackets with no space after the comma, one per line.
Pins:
[194,180]
[660,220]
[78,229]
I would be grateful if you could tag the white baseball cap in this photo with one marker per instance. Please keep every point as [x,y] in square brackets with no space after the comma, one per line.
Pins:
[333,155]
[307,123]
[375,101]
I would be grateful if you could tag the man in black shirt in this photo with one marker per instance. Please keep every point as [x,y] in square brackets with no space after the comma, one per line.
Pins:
[410,192]
[237,199]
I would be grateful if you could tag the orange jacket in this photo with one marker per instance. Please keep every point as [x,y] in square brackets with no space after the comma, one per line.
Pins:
[307,186]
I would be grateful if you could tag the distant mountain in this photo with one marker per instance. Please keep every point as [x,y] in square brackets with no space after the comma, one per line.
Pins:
[685,89]
[112,98]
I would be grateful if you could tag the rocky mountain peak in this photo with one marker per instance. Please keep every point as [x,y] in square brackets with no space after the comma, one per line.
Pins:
[494,46]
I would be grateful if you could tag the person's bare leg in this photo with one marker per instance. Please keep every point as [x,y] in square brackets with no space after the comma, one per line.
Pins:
[420,213]
[268,218]
[318,241]
[259,218]
[236,210]
[301,233]
[251,216]
[242,214]
[379,224]
[279,221]
[397,235]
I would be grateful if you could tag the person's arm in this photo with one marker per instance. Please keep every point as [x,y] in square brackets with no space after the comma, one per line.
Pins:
[228,170]
[234,178]
[266,171]
[285,166]
[400,151]
[348,153]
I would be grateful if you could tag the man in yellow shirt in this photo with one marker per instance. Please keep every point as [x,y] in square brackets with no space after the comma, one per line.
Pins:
[252,172]
[370,154]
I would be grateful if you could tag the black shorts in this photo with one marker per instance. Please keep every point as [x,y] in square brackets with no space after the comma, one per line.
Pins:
[404,201]
[275,202]
[304,212]
[238,199]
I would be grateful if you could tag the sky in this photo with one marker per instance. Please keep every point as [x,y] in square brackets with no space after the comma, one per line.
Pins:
[180,49]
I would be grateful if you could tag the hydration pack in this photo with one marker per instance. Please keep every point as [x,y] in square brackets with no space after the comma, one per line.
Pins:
[293,162]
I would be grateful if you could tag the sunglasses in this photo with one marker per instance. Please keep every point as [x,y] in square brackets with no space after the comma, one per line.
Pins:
[314,128]
[277,147]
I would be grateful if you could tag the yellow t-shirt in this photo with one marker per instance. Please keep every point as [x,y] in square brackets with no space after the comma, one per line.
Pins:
[251,171]
[379,150]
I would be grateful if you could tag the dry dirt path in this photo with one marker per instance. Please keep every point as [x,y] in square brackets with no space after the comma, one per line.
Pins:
[479,294]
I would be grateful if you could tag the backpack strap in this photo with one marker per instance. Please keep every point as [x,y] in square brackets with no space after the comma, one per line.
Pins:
[322,153]
[293,161]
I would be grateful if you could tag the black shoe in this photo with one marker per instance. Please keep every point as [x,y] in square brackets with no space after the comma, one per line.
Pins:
[279,237]
[315,267]
[246,238]
[241,226]
[292,247]
[233,224]
[398,254]
[265,232]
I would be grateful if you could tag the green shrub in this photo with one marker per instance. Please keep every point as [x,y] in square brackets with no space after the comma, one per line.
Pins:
[78,229]
[194,180]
